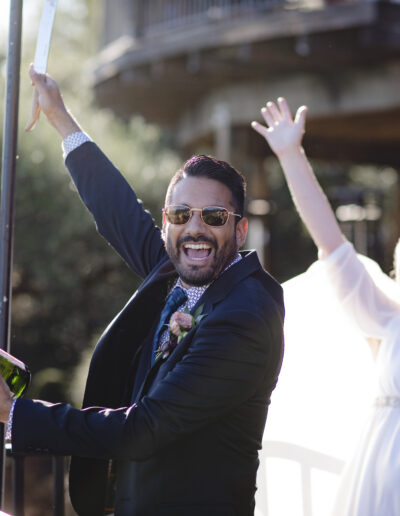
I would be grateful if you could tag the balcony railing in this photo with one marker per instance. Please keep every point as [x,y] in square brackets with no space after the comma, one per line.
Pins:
[317,475]
[308,460]
[163,15]
[159,16]
[18,484]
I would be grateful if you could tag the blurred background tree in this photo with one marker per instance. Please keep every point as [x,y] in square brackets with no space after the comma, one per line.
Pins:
[67,282]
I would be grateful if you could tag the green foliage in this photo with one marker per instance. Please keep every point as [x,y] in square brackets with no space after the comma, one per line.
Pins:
[67,282]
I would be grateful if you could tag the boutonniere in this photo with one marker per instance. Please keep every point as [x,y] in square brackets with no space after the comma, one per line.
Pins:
[179,326]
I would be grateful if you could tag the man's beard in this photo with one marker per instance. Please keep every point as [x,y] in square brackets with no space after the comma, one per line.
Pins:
[198,276]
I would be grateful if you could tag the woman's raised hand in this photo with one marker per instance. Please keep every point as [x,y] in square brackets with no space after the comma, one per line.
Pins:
[280,130]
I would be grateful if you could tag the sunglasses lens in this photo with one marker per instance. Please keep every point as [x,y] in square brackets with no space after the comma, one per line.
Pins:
[214,216]
[211,215]
[177,214]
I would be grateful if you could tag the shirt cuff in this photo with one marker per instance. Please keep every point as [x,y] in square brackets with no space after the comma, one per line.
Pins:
[73,141]
[9,424]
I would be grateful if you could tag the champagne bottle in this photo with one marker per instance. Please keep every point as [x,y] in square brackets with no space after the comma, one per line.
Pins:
[15,373]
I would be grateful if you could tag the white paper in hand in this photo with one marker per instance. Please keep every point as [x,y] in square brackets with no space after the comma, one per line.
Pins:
[42,54]
[44,35]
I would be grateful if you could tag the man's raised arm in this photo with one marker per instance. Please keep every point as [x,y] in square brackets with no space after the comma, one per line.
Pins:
[119,217]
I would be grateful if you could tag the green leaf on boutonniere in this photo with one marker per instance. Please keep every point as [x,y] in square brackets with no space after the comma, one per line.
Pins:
[198,315]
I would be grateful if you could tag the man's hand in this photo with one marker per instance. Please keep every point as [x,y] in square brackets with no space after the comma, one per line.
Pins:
[281,132]
[49,100]
[6,400]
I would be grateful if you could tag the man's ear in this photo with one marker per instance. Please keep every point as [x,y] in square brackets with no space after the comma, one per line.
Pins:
[241,231]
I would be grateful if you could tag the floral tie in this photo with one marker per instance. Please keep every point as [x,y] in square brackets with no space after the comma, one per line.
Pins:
[175,299]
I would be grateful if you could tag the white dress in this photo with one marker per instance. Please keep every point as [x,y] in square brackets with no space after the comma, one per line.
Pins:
[320,403]
[370,484]
[324,400]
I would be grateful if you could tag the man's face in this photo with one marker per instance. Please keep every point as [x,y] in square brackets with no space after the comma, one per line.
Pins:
[200,252]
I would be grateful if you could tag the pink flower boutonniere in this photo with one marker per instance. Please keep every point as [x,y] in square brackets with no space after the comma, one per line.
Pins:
[179,325]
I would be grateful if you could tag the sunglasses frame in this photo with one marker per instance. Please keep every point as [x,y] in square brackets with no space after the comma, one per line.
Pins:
[191,210]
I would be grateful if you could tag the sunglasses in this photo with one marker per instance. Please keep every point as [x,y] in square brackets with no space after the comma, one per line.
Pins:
[211,215]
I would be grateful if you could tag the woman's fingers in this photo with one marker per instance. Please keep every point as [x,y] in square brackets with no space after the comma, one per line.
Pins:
[285,110]
[273,116]
[261,129]
[300,118]
[274,112]
[269,119]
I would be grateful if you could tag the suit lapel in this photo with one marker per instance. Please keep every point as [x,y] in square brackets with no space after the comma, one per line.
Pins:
[215,293]
[159,281]
[222,286]
[126,333]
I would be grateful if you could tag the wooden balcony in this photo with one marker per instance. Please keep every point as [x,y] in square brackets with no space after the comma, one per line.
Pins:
[172,53]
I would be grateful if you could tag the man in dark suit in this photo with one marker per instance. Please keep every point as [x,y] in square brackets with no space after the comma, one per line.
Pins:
[183,426]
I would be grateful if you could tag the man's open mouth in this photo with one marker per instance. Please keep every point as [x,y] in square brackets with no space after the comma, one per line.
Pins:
[197,251]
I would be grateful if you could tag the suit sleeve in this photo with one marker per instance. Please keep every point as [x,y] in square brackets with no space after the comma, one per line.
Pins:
[228,361]
[119,215]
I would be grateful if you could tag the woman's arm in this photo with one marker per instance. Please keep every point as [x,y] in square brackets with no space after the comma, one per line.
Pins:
[364,302]
[284,136]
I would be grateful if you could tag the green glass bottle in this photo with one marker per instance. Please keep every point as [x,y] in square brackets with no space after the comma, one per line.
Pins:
[15,373]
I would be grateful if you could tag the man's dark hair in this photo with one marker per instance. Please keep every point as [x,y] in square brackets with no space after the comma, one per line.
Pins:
[212,168]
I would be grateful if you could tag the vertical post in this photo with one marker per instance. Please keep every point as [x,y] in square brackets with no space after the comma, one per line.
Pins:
[7,188]
[138,18]
[58,486]
[18,485]
[221,120]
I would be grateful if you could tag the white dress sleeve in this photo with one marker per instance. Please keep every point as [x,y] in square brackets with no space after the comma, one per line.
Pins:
[367,295]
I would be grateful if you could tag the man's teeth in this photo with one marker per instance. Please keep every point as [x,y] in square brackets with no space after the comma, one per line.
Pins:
[197,246]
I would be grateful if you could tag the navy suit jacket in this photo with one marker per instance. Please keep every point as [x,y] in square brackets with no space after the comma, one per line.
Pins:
[193,434]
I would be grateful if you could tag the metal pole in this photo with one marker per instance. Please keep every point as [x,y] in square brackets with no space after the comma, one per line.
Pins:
[18,485]
[7,188]
[58,486]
